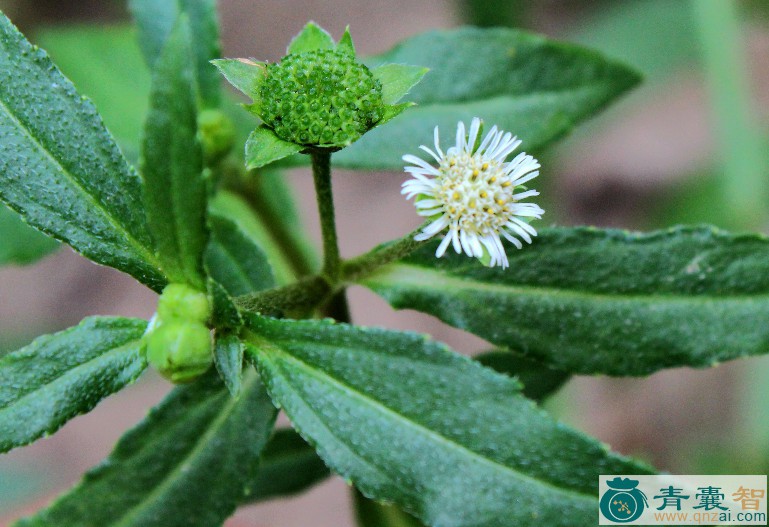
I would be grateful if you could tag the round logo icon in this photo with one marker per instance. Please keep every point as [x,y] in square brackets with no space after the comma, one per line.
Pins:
[623,502]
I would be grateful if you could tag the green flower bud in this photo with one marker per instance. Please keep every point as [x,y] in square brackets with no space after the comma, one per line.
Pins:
[180,351]
[333,99]
[182,302]
[217,135]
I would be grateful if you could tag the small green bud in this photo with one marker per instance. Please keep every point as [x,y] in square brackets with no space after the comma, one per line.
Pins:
[217,135]
[180,301]
[333,98]
[180,351]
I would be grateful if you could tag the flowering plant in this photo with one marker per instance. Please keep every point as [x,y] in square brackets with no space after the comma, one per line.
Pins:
[248,323]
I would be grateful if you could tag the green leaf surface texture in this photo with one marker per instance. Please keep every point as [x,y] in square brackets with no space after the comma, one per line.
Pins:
[105,64]
[228,357]
[188,464]
[408,421]
[175,190]
[61,169]
[235,261]
[21,244]
[289,466]
[156,21]
[538,380]
[586,300]
[536,88]
[60,376]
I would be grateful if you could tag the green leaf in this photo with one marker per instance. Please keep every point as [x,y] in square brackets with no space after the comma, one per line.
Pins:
[21,244]
[345,43]
[188,464]
[397,80]
[175,190]
[244,74]
[105,64]
[370,513]
[60,376]
[270,221]
[61,169]
[235,261]
[539,381]
[311,38]
[156,21]
[289,466]
[408,421]
[224,313]
[264,147]
[535,88]
[228,357]
[586,300]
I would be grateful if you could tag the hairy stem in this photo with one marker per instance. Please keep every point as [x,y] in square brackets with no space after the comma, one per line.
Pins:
[321,173]
[313,291]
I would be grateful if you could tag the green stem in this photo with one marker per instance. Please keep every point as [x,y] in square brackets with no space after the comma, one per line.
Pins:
[313,291]
[321,172]
[364,265]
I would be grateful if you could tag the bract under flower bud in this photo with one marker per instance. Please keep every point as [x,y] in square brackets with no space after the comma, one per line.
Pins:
[322,97]
[179,350]
[180,301]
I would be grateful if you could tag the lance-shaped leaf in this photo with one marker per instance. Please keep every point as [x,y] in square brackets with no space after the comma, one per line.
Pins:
[235,261]
[60,376]
[539,381]
[228,358]
[60,168]
[408,421]
[289,466]
[175,190]
[268,219]
[21,244]
[188,464]
[534,87]
[156,21]
[105,64]
[586,300]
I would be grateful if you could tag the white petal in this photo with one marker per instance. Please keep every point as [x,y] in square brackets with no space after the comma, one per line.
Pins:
[436,136]
[435,156]
[455,240]
[519,231]
[460,139]
[444,244]
[421,163]
[524,195]
[525,226]
[475,245]
[521,179]
[475,126]
[436,226]
[486,140]
[465,245]
[422,236]
[509,237]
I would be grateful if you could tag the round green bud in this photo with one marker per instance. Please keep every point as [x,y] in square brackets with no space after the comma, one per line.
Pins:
[180,301]
[217,135]
[180,351]
[321,97]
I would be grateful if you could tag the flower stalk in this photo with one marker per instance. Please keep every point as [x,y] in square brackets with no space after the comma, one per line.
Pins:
[321,173]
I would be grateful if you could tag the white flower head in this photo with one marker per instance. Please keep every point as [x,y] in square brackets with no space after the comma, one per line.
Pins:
[475,194]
